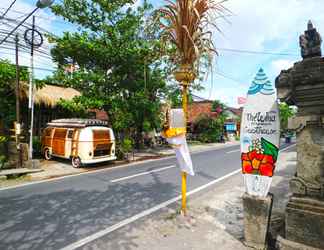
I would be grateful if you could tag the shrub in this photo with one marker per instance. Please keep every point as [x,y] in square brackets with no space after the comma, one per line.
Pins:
[208,129]
[3,158]
[123,148]
[127,145]
[37,146]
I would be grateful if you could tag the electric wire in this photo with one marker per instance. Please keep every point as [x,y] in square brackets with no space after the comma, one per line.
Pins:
[256,52]
[12,3]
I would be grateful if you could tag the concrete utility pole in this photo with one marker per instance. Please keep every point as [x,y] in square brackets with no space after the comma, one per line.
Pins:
[17,125]
[31,91]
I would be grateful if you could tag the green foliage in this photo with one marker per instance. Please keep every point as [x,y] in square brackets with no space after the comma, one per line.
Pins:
[7,91]
[127,145]
[3,139]
[174,93]
[123,148]
[285,112]
[269,148]
[121,69]
[208,129]
[218,106]
[75,106]
[37,146]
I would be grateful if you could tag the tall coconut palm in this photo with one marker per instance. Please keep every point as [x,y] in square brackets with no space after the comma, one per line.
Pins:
[188,25]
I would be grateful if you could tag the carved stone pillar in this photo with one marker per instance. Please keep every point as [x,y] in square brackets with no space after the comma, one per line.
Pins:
[303,86]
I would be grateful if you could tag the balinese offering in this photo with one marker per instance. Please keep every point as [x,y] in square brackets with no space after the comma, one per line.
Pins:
[260,132]
[175,134]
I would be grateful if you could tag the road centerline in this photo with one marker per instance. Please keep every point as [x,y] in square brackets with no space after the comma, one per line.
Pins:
[142,173]
[233,151]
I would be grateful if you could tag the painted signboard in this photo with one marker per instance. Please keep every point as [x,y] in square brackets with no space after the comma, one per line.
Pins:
[260,133]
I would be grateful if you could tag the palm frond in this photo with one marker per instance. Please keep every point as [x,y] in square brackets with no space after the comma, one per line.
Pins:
[187,23]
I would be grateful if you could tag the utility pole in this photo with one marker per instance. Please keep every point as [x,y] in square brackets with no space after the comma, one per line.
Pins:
[17,125]
[31,91]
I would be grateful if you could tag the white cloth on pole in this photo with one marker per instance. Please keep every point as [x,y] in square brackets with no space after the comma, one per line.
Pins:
[179,143]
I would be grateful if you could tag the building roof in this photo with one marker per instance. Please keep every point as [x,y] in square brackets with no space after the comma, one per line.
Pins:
[50,95]
[236,111]
[195,109]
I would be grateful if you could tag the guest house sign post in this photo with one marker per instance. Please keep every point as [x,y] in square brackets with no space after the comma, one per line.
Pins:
[260,134]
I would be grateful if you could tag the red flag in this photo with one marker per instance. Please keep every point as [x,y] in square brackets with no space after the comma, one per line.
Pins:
[241,100]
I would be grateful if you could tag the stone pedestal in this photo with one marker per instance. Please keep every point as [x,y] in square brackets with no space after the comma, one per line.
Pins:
[257,212]
[303,86]
[305,221]
[284,244]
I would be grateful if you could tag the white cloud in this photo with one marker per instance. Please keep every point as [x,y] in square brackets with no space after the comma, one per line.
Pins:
[281,64]
[260,25]
[256,22]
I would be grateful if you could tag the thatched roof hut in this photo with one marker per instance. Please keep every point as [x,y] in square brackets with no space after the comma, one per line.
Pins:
[50,95]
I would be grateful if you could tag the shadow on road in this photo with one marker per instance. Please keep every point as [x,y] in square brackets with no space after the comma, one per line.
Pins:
[51,220]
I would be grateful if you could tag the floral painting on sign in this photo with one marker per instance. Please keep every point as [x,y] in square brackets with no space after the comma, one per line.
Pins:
[261,158]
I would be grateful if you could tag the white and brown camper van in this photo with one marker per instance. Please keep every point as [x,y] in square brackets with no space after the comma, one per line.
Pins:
[84,141]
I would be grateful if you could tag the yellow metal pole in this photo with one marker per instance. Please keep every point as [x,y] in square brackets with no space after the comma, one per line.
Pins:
[184,174]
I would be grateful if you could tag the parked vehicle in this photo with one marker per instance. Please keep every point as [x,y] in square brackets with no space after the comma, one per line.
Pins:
[83,141]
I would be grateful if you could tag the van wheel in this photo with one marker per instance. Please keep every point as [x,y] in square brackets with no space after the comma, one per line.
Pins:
[47,154]
[76,162]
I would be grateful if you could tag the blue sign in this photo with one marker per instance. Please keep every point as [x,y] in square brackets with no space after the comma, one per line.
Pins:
[230,127]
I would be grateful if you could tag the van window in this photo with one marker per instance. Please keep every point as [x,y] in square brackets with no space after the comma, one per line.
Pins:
[101,135]
[60,133]
[70,134]
[48,131]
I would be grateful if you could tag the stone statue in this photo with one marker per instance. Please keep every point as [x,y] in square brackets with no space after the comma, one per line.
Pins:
[310,42]
[303,86]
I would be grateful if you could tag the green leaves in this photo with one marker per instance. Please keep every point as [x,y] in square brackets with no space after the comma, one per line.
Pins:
[269,148]
[285,112]
[7,91]
[119,61]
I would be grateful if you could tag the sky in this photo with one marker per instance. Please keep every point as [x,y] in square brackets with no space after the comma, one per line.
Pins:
[258,33]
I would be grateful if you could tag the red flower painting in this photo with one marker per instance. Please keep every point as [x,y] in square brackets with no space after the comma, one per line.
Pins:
[260,161]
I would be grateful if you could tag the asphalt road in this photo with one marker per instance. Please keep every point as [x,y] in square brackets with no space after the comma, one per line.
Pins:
[55,214]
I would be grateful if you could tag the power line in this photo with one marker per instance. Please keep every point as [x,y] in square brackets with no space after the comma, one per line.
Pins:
[39,59]
[38,68]
[38,16]
[256,52]
[26,48]
[31,13]
[3,15]
[228,77]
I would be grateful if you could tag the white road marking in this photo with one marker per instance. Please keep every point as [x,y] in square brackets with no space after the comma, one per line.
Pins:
[111,168]
[143,173]
[284,149]
[233,151]
[127,221]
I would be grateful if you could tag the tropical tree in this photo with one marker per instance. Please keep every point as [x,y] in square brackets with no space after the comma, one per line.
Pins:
[119,61]
[285,112]
[7,92]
